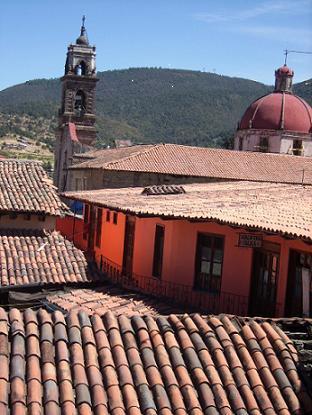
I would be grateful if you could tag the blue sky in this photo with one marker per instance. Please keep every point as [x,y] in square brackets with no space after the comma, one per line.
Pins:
[244,38]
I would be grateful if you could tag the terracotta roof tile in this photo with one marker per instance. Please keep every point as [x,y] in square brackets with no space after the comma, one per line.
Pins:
[109,297]
[39,257]
[280,208]
[108,154]
[182,160]
[25,187]
[146,364]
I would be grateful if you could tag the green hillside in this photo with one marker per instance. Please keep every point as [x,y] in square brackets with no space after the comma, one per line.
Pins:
[153,105]
[304,90]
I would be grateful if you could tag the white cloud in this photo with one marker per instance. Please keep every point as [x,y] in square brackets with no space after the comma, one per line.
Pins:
[276,6]
[286,34]
[273,30]
[240,21]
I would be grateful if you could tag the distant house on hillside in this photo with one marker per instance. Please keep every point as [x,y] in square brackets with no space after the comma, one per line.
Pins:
[123,143]
[146,165]
[235,247]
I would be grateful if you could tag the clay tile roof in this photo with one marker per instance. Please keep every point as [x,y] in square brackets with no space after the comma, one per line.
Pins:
[182,160]
[109,297]
[279,208]
[39,257]
[25,187]
[107,155]
[190,365]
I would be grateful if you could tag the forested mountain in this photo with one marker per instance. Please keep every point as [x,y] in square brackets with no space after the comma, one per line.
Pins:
[153,104]
[304,90]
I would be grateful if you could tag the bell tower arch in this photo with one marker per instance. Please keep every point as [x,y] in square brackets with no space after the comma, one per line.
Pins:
[76,130]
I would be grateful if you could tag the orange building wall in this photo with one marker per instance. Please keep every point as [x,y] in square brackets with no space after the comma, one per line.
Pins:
[180,250]
[236,261]
[72,229]
[144,246]
[286,246]
[112,239]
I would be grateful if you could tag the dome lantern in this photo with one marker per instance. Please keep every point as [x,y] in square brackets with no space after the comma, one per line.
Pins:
[283,79]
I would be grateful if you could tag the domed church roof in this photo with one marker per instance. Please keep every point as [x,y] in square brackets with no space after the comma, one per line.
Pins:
[279,110]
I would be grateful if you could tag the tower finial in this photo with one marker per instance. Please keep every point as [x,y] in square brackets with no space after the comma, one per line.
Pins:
[83,38]
[286,51]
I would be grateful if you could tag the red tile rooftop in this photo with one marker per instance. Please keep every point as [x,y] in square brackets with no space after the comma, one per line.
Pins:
[182,365]
[277,208]
[25,187]
[179,160]
[109,154]
[39,257]
[110,298]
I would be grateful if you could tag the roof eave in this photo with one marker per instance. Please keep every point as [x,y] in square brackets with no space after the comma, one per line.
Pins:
[130,211]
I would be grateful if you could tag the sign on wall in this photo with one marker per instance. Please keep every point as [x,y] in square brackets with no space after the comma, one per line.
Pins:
[248,240]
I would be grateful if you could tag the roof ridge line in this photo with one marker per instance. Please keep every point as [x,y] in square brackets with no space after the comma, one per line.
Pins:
[21,160]
[90,160]
[216,149]
[232,150]
[110,163]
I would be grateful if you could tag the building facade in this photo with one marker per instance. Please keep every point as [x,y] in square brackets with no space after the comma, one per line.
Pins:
[280,122]
[239,248]
[76,131]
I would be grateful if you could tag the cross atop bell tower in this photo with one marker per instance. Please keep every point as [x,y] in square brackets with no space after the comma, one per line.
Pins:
[77,112]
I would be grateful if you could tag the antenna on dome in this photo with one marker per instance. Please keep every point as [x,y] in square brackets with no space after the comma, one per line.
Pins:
[287,52]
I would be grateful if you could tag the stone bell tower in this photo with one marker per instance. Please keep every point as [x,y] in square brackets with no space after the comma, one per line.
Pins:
[76,131]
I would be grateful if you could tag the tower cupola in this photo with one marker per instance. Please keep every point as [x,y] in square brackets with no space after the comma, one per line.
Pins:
[83,38]
[283,79]
[81,56]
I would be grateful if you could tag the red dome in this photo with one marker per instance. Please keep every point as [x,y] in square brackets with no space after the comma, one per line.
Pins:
[278,111]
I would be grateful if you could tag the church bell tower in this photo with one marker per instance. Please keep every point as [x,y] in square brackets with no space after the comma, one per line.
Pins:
[76,128]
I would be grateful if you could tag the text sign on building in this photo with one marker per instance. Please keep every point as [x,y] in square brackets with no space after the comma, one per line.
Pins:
[247,240]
